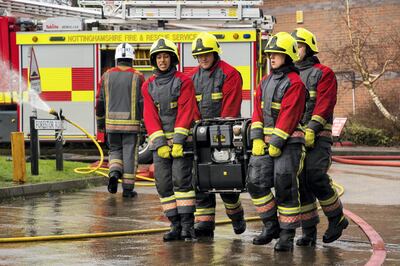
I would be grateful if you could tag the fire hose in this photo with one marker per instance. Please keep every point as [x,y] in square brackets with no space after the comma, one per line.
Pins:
[377,160]
[98,169]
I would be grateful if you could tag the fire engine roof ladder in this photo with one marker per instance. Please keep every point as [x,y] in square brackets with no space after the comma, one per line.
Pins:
[40,9]
[177,10]
[200,13]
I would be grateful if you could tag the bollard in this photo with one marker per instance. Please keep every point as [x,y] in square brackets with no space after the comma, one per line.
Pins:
[18,157]
[59,152]
[34,147]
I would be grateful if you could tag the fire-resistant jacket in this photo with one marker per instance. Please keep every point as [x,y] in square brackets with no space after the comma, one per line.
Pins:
[279,105]
[321,83]
[218,90]
[119,104]
[169,107]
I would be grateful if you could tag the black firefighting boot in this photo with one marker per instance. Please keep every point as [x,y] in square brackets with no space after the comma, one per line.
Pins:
[187,222]
[113,181]
[285,242]
[335,228]
[176,228]
[270,231]
[127,193]
[204,229]
[239,225]
[309,237]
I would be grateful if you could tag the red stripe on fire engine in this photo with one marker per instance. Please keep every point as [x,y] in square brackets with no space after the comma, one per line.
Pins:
[56,96]
[246,95]
[82,78]
[25,74]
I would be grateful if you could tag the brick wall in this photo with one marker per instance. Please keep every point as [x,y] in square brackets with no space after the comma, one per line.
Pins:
[325,20]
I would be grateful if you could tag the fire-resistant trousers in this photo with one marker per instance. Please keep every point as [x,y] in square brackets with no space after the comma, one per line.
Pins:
[316,183]
[205,208]
[282,173]
[174,184]
[123,156]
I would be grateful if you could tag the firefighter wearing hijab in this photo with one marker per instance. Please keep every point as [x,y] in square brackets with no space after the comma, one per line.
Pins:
[119,109]
[278,144]
[219,94]
[169,106]
[321,83]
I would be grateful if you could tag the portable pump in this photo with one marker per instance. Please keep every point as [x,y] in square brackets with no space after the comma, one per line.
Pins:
[221,154]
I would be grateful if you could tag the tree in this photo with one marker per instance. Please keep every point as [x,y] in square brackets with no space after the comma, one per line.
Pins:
[369,57]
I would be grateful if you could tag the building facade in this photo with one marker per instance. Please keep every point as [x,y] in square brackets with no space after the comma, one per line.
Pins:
[380,22]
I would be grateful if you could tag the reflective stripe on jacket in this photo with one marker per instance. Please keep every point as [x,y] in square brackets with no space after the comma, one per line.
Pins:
[321,83]
[169,108]
[119,102]
[218,90]
[279,105]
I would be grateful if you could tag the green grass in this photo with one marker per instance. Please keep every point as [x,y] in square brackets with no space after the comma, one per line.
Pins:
[47,172]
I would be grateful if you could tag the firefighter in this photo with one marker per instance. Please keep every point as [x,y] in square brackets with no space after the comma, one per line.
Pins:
[219,94]
[119,110]
[169,106]
[321,83]
[279,105]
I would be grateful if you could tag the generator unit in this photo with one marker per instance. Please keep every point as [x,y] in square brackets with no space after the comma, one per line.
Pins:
[221,149]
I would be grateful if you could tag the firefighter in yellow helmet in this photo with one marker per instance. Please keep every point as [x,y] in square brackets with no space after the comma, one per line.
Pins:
[119,107]
[321,84]
[219,94]
[169,107]
[278,144]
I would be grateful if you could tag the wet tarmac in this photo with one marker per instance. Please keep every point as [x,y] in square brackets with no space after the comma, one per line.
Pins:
[373,193]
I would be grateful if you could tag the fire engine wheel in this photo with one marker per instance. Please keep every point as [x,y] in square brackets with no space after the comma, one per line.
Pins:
[145,155]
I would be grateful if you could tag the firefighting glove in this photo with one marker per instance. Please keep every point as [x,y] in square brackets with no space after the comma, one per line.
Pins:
[310,138]
[274,151]
[258,147]
[163,152]
[177,150]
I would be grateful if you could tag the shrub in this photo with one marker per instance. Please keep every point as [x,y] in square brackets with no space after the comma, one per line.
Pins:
[360,134]
[370,127]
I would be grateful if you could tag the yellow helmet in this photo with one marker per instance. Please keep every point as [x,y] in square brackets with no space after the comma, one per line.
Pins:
[283,43]
[205,43]
[307,37]
[164,45]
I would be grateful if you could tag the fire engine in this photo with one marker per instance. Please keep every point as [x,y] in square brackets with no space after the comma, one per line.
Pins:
[72,52]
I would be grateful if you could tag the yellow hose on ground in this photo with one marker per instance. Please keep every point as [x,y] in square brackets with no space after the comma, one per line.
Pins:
[338,187]
[88,170]
[98,169]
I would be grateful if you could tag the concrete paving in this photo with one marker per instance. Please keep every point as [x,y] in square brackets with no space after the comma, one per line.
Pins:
[373,193]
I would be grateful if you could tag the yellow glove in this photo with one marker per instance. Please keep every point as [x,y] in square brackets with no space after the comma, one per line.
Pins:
[274,151]
[177,150]
[258,147]
[310,138]
[164,151]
